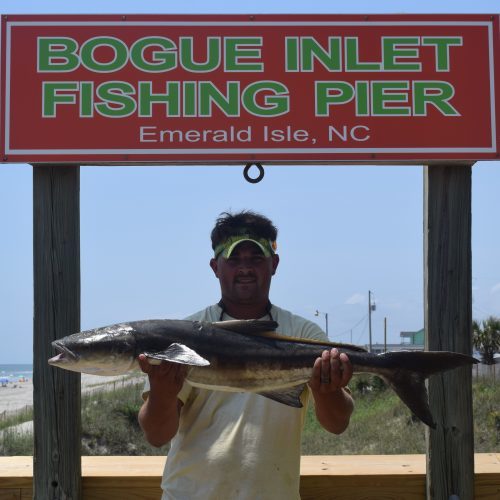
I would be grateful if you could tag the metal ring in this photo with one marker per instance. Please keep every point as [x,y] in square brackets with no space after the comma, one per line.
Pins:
[253,180]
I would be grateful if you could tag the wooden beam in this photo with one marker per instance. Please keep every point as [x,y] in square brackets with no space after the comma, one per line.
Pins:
[448,327]
[347,477]
[56,270]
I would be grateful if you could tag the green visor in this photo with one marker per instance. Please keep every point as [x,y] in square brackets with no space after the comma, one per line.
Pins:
[226,247]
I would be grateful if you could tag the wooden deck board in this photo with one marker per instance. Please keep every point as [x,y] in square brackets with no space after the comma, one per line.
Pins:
[350,477]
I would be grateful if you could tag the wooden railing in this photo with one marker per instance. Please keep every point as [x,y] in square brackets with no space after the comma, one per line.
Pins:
[353,477]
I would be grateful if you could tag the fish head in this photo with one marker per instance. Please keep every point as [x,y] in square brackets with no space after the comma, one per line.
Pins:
[102,351]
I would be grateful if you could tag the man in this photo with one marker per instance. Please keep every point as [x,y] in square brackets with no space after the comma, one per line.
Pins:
[240,445]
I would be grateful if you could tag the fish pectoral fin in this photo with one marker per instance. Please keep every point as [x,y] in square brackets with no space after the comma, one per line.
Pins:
[289,396]
[177,353]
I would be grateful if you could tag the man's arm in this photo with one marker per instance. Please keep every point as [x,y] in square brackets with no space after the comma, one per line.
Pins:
[159,415]
[333,403]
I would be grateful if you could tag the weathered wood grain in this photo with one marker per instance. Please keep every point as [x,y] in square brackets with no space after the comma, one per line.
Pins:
[448,327]
[10,494]
[56,393]
[354,477]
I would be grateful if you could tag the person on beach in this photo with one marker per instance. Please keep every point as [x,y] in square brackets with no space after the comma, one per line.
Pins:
[240,445]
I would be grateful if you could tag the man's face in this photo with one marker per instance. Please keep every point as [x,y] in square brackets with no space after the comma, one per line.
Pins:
[245,277]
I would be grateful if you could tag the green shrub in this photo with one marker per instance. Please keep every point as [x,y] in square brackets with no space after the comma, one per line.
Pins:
[380,424]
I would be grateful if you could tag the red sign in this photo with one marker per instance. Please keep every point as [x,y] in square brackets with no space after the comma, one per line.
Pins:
[232,89]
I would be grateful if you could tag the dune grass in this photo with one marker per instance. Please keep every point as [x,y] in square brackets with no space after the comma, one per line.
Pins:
[381,424]
[110,426]
[15,418]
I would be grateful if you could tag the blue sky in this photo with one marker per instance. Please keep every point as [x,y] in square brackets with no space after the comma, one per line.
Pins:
[343,230]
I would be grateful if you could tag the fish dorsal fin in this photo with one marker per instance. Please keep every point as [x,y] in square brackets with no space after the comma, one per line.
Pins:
[249,326]
[267,329]
[299,340]
[177,353]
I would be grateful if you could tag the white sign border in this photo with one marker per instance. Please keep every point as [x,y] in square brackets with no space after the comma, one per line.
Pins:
[242,151]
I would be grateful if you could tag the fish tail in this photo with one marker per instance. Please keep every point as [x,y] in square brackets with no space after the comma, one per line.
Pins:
[413,368]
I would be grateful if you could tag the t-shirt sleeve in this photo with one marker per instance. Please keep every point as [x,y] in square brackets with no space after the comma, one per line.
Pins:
[309,330]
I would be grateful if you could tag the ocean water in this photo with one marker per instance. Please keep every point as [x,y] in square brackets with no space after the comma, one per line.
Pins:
[13,372]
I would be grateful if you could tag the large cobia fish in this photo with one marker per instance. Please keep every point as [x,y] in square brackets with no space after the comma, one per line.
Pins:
[245,356]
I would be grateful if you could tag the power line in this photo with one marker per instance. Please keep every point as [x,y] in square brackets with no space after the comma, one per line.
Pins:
[352,327]
[363,331]
[349,330]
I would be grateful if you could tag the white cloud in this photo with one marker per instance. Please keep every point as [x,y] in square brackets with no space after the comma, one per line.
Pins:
[495,288]
[357,298]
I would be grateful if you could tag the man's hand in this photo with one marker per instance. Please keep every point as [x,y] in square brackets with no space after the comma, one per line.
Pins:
[159,415]
[333,405]
[331,372]
[165,378]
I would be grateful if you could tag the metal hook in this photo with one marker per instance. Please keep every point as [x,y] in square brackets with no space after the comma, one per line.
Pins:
[253,180]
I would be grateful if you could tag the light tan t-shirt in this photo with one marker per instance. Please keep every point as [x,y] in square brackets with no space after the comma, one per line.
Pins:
[237,446]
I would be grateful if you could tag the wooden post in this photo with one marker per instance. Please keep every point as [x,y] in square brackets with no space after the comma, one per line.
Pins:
[448,326]
[56,393]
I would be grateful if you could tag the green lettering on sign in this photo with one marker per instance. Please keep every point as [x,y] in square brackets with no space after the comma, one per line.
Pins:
[238,49]
[186,55]
[442,46]
[330,94]
[118,59]
[57,54]
[116,99]
[210,95]
[54,93]
[163,59]
[384,93]
[394,48]
[170,99]
[311,50]
[434,93]
[275,98]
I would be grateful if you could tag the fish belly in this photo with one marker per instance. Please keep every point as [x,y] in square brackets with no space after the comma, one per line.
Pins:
[247,379]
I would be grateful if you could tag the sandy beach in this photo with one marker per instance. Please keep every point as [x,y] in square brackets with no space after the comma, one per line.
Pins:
[18,395]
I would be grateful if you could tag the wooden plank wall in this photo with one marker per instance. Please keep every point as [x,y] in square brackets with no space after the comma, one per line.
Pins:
[355,477]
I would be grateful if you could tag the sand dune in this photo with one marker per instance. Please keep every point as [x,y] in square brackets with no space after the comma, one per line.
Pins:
[16,396]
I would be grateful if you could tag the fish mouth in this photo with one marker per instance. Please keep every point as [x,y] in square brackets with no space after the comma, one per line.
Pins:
[65,355]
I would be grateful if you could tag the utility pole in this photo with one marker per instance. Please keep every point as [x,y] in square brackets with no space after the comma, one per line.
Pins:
[317,313]
[385,334]
[371,307]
